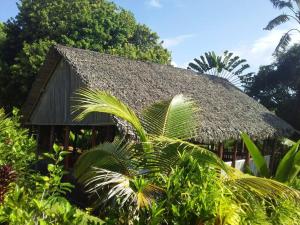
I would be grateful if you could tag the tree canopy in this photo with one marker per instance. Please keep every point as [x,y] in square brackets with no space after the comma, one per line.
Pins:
[97,25]
[277,86]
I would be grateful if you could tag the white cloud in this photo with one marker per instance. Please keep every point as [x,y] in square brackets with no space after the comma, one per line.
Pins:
[171,42]
[155,3]
[260,51]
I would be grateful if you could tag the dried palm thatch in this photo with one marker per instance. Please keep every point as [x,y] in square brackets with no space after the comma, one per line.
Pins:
[225,110]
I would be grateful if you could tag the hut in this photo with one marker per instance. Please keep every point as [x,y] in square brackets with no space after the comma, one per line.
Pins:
[225,110]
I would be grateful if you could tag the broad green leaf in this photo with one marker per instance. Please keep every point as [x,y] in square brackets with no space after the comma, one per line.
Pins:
[295,169]
[286,164]
[257,157]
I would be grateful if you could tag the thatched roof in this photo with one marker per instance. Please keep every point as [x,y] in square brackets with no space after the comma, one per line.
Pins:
[225,110]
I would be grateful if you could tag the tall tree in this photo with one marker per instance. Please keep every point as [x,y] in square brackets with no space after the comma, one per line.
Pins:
[228,66]
[277,86]
[98,25]
[293,6]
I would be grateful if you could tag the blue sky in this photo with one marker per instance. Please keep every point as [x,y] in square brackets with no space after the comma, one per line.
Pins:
[191,27]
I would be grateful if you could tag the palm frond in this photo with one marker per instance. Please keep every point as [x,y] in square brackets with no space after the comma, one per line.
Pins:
[263,187]
[118,156]
[277,21]
[167,153]
[90,101]
[174,118]
[109,185]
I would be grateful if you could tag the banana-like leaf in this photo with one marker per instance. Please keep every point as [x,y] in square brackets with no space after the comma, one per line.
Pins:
[175,118]
[258,158]
[286,164]
[295,169]
[90,101]
[277,21]
[284,42]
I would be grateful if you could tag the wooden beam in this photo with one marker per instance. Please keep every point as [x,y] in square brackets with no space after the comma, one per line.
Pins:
[234,153]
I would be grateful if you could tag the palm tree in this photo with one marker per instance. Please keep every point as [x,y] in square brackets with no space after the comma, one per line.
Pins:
[228,66]
[125,169]
[294,7]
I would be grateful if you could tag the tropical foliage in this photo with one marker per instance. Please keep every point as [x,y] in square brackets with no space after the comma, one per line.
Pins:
[277,86]
[134,174]
[288,168]
[26,196]
[293,6]
[44,203]
[96,25]
[17,149]
[227,66]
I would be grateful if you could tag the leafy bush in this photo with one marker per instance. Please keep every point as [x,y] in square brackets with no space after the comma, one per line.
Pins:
[45,204]
[16,147]
[195,194]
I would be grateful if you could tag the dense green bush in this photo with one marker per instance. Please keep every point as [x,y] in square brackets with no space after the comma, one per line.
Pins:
[45,203]
[17,149]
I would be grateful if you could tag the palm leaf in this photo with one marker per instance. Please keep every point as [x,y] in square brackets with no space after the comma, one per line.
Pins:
[117,156]
[263,187]
[90,101]
[286,164]
[277,21]
[174,118]
[109,185]
[167,153]
[258,158]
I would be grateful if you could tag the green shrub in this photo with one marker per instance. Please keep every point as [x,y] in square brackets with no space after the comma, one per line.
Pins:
[16,147]
[45,204]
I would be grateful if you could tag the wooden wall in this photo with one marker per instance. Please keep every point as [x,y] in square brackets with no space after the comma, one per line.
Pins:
[54,106]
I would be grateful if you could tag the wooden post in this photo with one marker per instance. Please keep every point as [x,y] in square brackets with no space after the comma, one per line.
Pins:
[221,150]
[38,141]
[94,136]
[234,153]
[247,161]
[110,135]
[66,145]
[52,137]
